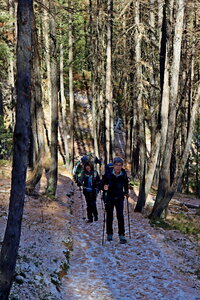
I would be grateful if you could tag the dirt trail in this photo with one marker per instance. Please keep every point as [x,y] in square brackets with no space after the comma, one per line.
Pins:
[145,268]
[155,264]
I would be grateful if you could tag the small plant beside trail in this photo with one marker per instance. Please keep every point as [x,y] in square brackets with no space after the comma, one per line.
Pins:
[183,222]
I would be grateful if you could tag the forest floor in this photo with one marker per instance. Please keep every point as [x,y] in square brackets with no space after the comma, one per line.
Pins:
[62,257]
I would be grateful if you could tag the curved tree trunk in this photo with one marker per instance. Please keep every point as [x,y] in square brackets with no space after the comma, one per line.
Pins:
[164,180]
[11,239]
[160,206]
[37,117]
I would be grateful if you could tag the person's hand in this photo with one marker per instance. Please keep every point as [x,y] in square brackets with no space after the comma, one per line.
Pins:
[127,195]
[105,187]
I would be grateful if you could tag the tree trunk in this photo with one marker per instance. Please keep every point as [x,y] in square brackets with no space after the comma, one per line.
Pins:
[71,89]
[94,83]
[160,206]
[47,90]
[11,239]
[140,111]
[63,108]
[37,118]
[11,79]
[108,103]
[53,172]
[164,174]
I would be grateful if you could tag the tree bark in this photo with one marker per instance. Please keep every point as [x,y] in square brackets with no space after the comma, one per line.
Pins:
[53,172]
[11,239]
[140,112]
[160,206]
[175,67]
[71,89]
[37,118]
[108,102]
[63,108]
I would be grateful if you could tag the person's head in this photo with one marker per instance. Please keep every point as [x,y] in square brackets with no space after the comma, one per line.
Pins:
[117,164]
[88,167]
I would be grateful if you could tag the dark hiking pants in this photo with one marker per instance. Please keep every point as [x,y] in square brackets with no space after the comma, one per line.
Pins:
[91,205]
[118,203]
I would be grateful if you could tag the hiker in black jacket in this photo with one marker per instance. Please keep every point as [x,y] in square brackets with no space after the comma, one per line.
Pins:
[115,186]
[90,180]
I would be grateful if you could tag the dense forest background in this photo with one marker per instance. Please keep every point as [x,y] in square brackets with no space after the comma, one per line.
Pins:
[135,63]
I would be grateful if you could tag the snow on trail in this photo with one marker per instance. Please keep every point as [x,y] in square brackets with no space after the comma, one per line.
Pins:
[141,269]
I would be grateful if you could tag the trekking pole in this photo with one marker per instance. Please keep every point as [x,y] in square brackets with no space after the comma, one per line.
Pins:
[104,218]
[129,227]
[101,201]
[81,196]
[104,223]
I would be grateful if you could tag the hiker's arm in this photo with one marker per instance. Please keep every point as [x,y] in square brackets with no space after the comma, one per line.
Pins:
[103,182]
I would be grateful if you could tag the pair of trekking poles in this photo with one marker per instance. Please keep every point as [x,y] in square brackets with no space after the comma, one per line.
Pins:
[104,219]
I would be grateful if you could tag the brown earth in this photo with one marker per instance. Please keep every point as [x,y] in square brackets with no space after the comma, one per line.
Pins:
[61,257]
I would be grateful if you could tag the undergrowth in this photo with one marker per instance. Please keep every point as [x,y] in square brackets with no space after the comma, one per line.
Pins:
[180,222]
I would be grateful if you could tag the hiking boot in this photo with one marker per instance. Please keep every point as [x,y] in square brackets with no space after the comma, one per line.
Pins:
[96,218]
[109,237]
[89,221]
[122,239]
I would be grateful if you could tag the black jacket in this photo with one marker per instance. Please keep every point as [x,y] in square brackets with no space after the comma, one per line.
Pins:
[118,185]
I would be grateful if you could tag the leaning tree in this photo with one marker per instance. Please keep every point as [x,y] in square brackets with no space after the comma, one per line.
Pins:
[11,239]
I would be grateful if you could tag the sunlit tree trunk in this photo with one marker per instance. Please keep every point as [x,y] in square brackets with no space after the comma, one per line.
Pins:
[140,110]
[37,118]
[53,171]
[63,102]
[47,90]
[160,206]
[108,96]
[93,81]
[164,180]
[11,75]
[11,239]
[71,89]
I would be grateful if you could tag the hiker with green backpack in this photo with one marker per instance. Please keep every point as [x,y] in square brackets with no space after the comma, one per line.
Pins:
[79,167]
[89,180]
[115,187]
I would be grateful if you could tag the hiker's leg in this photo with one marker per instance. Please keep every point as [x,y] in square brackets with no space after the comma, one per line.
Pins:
[120,216]
[109,220]
[94,206]
[89,206]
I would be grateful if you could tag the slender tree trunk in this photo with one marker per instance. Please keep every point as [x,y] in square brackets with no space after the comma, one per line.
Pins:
[164,180]
[93,80]
[71,89]
[140,114]
[37,118]
[53,172]
[11,239]
[160,206]
[11,79]
[108,108]
[63,107]
[47,91]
